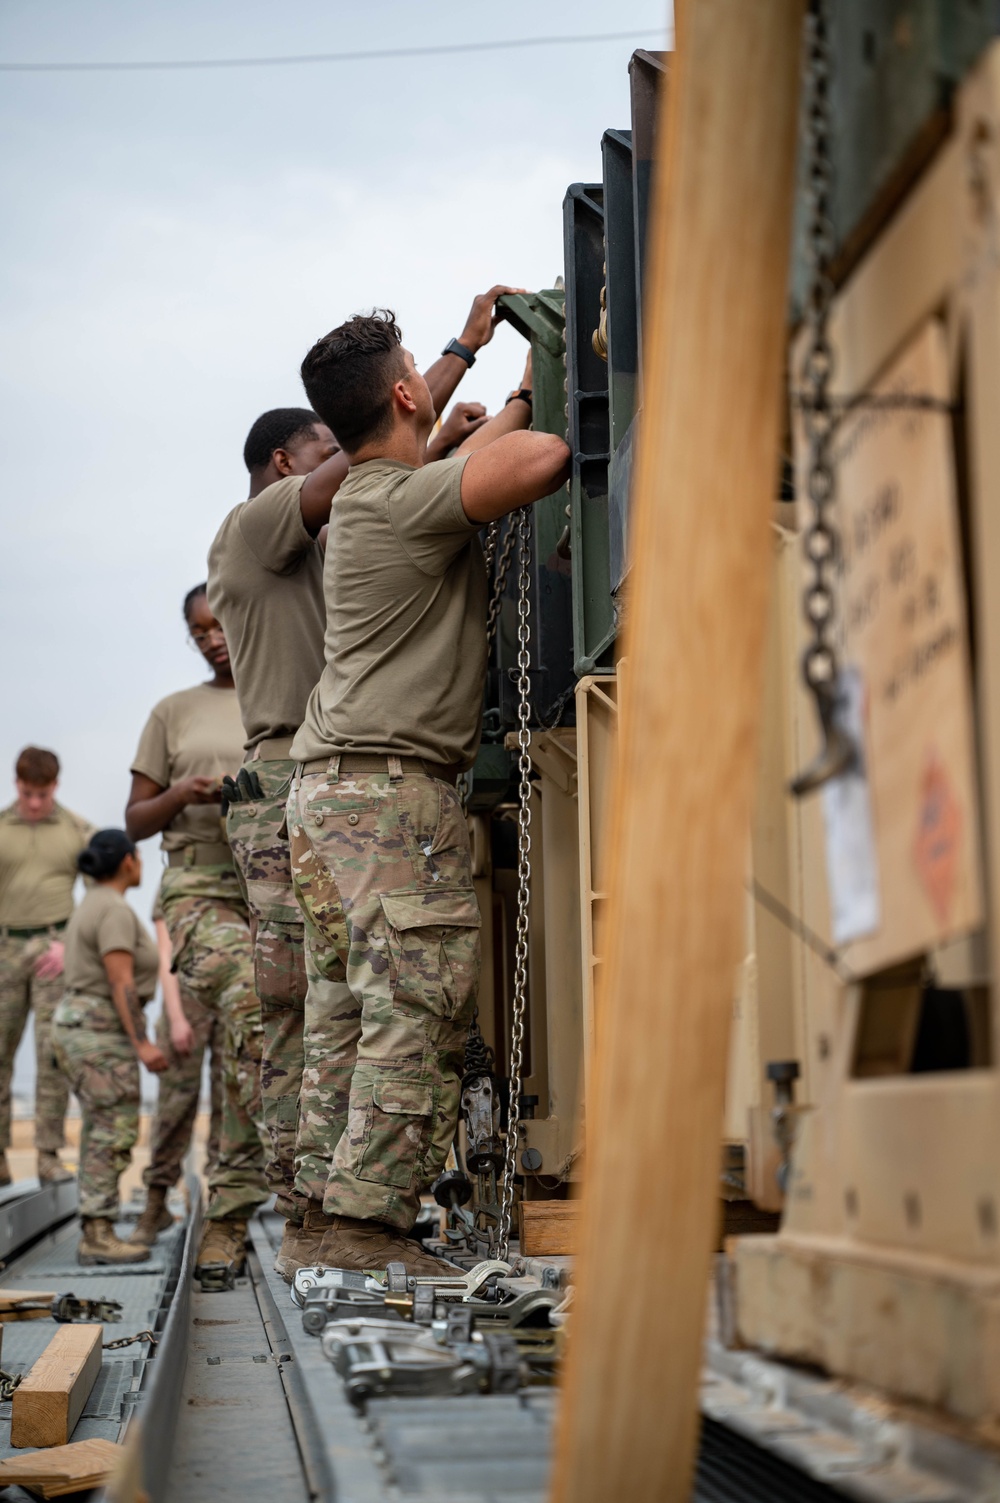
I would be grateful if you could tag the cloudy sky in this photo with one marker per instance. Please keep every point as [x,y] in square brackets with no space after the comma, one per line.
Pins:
[173,242]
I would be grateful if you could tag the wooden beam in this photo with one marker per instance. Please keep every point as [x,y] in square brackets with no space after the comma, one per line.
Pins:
[707,472]
[548,1228]
[49,1402]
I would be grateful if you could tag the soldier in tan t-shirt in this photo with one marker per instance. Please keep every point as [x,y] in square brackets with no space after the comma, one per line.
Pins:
[380,846]
[39,844]
[265,584]
[191,740]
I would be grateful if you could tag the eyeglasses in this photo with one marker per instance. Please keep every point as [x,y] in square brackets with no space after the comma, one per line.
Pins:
[199,638]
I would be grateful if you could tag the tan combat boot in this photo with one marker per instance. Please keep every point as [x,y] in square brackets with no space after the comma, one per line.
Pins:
[98,1244]
[222,1254]
[51,1171]
[154,1219]
[354,1244]
[5,1178]
[300,1245]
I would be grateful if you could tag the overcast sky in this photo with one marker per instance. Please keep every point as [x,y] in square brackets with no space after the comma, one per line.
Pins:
[172,244]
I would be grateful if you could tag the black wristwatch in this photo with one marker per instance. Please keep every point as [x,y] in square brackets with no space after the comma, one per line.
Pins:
[453,347]
[524,395]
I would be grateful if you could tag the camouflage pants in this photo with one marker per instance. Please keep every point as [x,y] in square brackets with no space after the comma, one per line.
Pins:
[207,920]
[100,1064]
[260,847]
[179,1094]
[383,874]
[20,989]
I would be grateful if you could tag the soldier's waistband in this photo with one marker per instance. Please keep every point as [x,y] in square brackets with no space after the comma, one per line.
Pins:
[11,931]
[277,749]
[351,762]
[218,854]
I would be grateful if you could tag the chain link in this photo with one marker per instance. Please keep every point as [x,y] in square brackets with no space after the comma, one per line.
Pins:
[522,529]
[8,1382]
[147,1335]
[503,562]
[819,661]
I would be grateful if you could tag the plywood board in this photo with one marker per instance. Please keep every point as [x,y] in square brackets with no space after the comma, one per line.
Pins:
[50,1400]
[902,619]
[63,1469]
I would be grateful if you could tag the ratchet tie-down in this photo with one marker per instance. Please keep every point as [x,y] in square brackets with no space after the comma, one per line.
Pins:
[448,1334]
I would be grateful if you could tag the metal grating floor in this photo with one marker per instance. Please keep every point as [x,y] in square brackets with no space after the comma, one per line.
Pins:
[51,1265]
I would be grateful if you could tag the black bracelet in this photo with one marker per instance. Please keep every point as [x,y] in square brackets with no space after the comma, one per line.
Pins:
[524,394]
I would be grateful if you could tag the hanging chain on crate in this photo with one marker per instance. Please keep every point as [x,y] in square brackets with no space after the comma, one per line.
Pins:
[820,668]
[8,1382]
[503,561]
[522,529]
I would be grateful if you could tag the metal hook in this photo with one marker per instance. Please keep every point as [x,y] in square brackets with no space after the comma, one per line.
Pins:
[838,752]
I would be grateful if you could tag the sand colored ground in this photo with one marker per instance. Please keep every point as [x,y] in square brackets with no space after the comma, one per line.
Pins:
[21,1154]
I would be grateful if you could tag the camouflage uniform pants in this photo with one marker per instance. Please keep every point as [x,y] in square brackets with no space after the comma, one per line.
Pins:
[20,989]
[293,994]
[209,929]
[179,1094]
[383,873]
[100,1064]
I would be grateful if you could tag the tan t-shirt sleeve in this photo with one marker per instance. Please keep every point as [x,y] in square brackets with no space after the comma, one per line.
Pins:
[116,930]
[271,525]
[152,758]
[426,514]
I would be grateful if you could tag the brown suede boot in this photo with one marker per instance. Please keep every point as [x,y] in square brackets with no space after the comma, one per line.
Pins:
[371,1245]
[5,1178]
[51,1171]
[300,1244]
[154,1219]
[98,1244]
[222,1254]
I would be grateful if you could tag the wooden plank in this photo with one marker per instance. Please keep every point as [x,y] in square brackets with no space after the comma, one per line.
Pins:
[10,1298]
[51,1399]
[920,1327]
[707,463]
[547,1228]
[63,1469]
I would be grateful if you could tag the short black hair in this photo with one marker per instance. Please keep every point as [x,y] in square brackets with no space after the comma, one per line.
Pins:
[276,430]
[191,597]
[349,374]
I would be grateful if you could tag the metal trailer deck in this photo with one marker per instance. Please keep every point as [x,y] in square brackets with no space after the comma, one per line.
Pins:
[237,1402]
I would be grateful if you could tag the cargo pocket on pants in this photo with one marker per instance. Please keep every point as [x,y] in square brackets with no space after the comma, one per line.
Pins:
[433,949]
[395,1131]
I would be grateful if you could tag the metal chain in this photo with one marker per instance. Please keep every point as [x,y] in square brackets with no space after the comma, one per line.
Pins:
[522,527]
[820,668]
[8,1382]
[490,551]
[819,662]
[147,1335]
[500,583]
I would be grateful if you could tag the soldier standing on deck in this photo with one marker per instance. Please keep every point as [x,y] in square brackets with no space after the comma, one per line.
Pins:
[265,582]
[39,844]
[191,740]
[380,846]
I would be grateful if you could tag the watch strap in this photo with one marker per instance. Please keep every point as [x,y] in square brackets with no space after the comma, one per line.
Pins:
[455,347]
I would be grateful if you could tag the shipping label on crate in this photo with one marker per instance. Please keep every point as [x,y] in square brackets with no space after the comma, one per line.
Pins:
[904,643]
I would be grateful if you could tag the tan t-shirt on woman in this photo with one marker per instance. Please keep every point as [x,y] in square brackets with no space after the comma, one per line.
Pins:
[102,923]
[195,733]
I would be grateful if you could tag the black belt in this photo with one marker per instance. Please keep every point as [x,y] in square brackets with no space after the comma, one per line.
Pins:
[9,932]
[351,762]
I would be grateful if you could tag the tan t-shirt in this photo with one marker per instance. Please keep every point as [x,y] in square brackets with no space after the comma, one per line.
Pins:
[105,922]
[405,587]
[265,586]
[195,733]
[38,866]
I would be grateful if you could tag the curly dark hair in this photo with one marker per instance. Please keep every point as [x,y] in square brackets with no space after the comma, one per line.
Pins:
[277,429]
[349,374]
